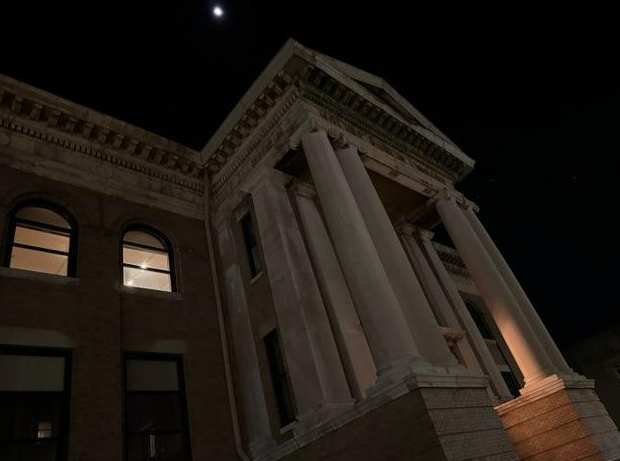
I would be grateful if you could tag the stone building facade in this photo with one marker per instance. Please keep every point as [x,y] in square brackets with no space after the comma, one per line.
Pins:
[278,295]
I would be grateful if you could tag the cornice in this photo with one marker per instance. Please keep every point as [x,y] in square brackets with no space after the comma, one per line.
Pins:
[259,110]
[48,118]
[256,145]
[408,137]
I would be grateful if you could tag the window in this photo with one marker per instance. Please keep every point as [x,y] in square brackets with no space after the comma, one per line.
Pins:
[495,349]
[251,245]
[147,260]
[511,382]
[155,408]
[480,322]
[34,397]
[42,239]
[279,378]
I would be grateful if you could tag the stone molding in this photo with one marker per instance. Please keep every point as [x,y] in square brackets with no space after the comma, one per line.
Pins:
[250,153]
[410,384]
[248,124]
[545,388]
[50,119]
[408,146]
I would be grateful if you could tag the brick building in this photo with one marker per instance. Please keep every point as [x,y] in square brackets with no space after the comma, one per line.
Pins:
[278,295]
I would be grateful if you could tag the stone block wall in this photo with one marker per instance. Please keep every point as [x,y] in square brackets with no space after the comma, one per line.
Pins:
[567,424]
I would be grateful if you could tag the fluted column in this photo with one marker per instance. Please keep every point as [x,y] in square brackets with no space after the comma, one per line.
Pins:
[460,309]
[423,326]
[514,327]
[246,359]
[434,292]
[349,333]
[391,344]
[317,376]
[515,287]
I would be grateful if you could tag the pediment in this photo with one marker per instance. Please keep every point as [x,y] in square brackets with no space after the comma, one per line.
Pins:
[342,87]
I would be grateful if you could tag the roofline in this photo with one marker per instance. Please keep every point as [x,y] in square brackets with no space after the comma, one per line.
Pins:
[331,65]
[96,117]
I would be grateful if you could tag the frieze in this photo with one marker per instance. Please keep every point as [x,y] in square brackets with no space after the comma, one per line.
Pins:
[100,154]
[260,142]
[34,113]
[351,121]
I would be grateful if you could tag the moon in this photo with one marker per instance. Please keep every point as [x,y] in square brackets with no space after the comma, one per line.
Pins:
[218,11]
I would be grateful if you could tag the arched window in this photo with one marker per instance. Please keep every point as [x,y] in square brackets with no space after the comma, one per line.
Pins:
[147,260]
[42,238]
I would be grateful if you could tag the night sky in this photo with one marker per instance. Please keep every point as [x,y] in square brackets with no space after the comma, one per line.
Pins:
[532,95]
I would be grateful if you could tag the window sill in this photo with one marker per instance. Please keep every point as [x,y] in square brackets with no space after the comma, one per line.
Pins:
[38,276]
[174,295]
[256,277]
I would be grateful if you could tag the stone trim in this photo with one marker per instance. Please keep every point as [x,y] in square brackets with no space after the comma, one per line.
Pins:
[410,384]
[247,125]
[34,113]
[332,95]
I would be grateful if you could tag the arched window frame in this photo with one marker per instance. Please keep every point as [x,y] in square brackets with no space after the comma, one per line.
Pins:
[168,248]
[40,203]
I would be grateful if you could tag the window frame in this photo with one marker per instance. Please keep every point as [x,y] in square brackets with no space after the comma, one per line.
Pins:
[51,206]
[163,357]
[167,248]
[248,230]
[280,379]
[62,448]
[506,371]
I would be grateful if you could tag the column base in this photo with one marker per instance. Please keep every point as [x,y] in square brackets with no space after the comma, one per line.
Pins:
[560,418]
[416,369]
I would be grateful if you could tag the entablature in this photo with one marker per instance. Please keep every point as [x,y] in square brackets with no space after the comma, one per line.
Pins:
[33,112]
[299,84]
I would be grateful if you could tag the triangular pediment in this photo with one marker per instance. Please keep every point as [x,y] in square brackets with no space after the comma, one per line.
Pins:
[358,92]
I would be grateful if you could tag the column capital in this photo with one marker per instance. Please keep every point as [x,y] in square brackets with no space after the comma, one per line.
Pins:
[304,189]
[263,176]
[415,231]
[456,196]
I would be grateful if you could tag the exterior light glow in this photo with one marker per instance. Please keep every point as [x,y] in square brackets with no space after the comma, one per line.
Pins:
[218,12]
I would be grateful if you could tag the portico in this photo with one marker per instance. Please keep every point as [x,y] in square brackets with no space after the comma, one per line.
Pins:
[344,181]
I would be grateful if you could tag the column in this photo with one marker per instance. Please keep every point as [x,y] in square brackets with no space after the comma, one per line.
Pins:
[423,326]
[434,293]
[317,376]
[520,338]
[347,328]
[391,344]
[459,307]
[515,287]
[246,359]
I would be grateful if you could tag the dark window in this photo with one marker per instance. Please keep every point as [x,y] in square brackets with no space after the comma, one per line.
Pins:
[480,322]
[251,245]
[155,408]
[495,350]
[279,378]
[34,403]
[42,238]
[147,260]
[511,382]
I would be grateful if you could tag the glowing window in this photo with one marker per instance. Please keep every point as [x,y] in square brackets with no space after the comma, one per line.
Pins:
[42,240]
[146,260]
